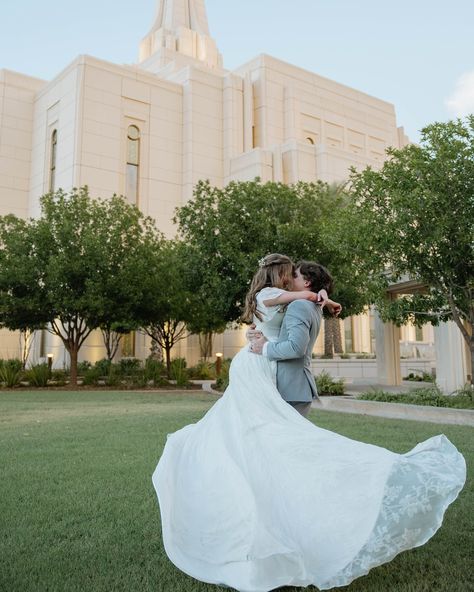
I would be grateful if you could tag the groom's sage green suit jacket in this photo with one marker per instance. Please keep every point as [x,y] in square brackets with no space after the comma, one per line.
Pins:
[292,351]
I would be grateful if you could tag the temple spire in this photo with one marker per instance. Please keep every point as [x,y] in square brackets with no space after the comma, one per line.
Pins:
[181,26]
[190,14]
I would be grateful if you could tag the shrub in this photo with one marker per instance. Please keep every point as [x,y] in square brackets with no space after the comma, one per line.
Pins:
[11,372]
[91,376]
[345,356]
[430,396]
[14,363]
[466,391]
[138,379]
[59,377]
[155,371]
[83,367]
[113,378]
[129,366]
[178,372]
[419,376]
[203,370]
[103,366]
[328,386]
[222,381]
[38,375]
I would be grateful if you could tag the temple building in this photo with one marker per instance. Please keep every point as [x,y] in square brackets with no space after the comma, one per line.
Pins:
[152,130]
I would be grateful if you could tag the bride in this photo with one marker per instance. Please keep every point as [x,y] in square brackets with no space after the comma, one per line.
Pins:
[254,496]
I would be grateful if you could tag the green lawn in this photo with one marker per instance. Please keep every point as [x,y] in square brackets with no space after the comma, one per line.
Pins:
[79,513]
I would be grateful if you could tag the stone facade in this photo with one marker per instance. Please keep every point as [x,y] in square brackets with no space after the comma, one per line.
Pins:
[195,121]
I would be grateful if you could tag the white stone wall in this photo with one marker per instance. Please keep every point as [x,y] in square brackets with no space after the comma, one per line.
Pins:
[267,119]
[17,96]
[56,108]
[318,128]
[365,371]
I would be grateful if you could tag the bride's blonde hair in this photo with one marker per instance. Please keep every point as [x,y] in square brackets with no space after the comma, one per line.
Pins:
[275,271]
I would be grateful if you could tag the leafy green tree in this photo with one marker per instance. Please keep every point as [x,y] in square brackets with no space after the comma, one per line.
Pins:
[204,285]
[21,292]
[76,268]
[165,307]
[416,220]
[130,240]
[228,230]
[20,275]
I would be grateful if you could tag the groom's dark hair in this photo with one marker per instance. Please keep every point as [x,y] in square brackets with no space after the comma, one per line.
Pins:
[317,275]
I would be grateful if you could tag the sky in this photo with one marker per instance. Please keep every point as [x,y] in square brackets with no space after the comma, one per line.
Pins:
[416,54]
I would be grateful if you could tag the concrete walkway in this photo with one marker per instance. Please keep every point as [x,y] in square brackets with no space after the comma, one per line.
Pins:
[356,387]
[443,415]
[349,404]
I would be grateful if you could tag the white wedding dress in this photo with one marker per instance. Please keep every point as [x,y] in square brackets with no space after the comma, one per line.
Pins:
[254,496]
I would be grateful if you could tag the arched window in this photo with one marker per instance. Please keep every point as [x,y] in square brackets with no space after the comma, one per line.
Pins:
[52,160]
[133,164]
[310,140]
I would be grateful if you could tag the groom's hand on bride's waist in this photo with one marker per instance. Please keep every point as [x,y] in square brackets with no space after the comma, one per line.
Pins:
[257,345]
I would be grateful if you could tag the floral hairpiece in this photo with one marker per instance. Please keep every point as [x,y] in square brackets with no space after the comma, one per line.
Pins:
[261,262]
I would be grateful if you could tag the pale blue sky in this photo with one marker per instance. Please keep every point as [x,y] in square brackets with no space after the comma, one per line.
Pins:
[417,54]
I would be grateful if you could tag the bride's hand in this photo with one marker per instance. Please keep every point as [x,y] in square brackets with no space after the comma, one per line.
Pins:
[334,307]
[323,298]
[252,334]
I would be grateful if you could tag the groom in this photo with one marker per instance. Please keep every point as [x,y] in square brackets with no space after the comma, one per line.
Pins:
[298,333]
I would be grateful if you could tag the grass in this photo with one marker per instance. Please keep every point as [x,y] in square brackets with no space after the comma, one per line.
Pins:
[78,510]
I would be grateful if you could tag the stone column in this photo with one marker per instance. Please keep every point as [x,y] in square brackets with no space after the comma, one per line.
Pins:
[387,347]
[361,332]
[451,361]
[248,115]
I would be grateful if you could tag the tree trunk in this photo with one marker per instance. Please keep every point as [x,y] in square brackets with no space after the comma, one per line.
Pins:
[332,336]
[328,351]
[106,336]
[156,351]
[111,341]
[168,348]
[73,370]
[337,336]
[205,345]
[26,340]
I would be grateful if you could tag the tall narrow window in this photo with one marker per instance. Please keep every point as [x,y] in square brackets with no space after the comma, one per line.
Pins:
[128,345]
[133,164]
[52,160]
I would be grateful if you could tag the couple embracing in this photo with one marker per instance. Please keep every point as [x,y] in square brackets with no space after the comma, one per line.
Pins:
[310,284]
[254,496]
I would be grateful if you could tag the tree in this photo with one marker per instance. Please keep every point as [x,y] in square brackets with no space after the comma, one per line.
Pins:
[416,220]
[76,268]
[130,240]
[202,282]
[21,291]
[166,303]
[228,230]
